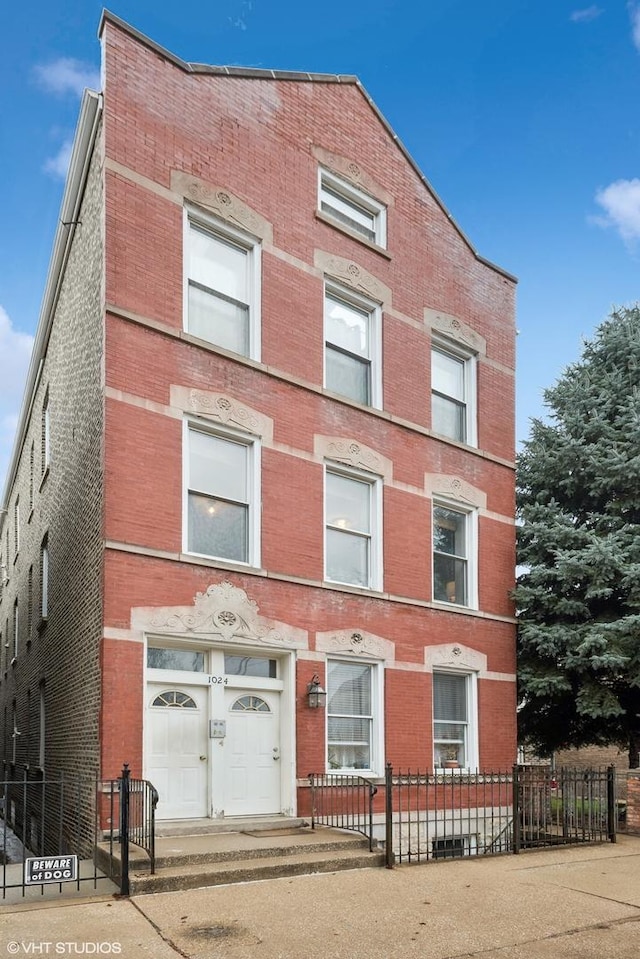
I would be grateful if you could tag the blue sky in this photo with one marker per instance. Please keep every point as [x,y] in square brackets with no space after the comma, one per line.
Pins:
[523,115]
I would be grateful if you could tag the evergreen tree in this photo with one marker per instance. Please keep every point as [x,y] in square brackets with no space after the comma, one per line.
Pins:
[578,599]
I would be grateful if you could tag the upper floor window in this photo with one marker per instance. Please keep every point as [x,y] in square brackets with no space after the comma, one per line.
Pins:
[16,525]
[222,496]
[16,629]
[352,347]
[453,411]
[453,556]
[353,530]
[44,578]
[350,207]
[45,435]
[222,286]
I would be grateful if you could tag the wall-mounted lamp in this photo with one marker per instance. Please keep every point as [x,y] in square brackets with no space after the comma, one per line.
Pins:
[317,695]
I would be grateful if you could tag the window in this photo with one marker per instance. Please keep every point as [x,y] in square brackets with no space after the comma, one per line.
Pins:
[352,698]
[222,286]
[15,732]
[41,737]
[352,326]
[185,660]
[453,394]
[16,525]
[45,435]
[32,460]
[44,578]
[222,491]
[352,208]
[353,525]
[16,627]
[29,603]
[250,666]
[454,725]
[453,549]
[174,699]
[453,848]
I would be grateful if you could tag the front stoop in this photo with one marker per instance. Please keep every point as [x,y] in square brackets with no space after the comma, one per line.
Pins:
[218,858]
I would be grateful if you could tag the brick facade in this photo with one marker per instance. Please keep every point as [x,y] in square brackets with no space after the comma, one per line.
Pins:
[125,379]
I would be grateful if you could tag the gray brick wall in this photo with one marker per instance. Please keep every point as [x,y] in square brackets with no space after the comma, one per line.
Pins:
[63,652]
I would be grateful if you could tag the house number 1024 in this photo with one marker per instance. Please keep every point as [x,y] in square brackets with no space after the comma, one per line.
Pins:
[218,680]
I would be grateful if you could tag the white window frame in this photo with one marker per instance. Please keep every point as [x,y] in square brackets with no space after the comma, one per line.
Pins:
[44,578]
[252,443]
[16,525]
[471,558]
[16,630]
[46,435]
[359,201]
[375,483]
[252,246]
[335,291]
[470,403]
[376,767]
[472,738]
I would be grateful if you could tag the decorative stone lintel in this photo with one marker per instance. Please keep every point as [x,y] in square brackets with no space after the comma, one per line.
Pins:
[222,612]
[455,329]
[352,453]
[454,488]
[223,204]
[455,656]
[222,408]
[354,276]
[357,642]
[351,170]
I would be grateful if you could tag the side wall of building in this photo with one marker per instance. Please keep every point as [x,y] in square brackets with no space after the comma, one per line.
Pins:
[50,671]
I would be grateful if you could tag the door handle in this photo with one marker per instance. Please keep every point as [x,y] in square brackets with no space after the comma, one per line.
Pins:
[276,753]
[202,758]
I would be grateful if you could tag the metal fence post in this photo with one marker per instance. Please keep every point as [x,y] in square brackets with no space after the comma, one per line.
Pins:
[388,816]
[612,811]
[124,831]
[517,839]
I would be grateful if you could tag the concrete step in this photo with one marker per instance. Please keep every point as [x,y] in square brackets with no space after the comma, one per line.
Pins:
[207,827]
[196,875]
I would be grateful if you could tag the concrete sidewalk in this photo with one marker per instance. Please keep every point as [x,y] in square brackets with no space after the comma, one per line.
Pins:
[573,903]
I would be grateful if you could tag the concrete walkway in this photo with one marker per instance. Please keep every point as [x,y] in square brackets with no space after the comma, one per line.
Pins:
[574,903]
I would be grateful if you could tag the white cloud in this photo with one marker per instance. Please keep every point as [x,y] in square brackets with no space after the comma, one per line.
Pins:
[66,75]
[58,165]
[621,203]
[15,353]
[634,13]
[586,14]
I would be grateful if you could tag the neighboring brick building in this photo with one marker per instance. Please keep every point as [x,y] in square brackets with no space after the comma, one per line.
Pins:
[268,434]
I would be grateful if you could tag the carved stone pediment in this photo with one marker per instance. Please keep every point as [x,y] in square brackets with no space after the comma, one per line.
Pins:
[454,488]
[223,204]
[222,611]
[455,656]
[454,328]
[354,276]
[352,453]
[222,408]
[356,642]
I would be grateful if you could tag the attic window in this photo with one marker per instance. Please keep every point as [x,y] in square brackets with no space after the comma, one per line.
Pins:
[352,209]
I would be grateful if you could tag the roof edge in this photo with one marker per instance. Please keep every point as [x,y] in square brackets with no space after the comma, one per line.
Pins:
[83,141]
[255,73]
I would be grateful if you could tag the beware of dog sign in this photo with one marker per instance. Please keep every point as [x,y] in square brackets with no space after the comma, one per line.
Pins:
[51,869]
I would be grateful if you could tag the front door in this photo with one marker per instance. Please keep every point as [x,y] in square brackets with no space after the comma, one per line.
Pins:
[177,748]
[252,752]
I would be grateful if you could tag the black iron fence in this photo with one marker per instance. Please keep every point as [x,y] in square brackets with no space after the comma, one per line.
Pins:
[345,802]
[89,823]
[447,814]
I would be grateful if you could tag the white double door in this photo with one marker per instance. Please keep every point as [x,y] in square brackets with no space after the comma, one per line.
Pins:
[213,751]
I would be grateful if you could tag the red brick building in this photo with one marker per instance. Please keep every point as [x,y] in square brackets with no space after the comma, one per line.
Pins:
[268,436]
